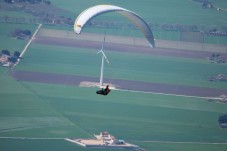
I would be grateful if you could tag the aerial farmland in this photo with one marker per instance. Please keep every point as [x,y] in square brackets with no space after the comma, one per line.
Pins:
[169,97]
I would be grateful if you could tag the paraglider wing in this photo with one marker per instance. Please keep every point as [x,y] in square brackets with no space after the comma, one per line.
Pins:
[91,12]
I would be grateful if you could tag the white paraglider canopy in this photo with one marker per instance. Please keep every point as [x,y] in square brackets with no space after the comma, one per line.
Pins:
[91,12]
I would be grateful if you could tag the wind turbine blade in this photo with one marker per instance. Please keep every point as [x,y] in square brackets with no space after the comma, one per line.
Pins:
[99,51]
[102,50]
[103,54]
[105,57]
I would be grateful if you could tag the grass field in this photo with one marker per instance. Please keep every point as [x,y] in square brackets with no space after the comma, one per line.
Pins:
[38,116]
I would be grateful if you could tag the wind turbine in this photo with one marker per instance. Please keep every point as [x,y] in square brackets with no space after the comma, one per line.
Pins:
[102,65]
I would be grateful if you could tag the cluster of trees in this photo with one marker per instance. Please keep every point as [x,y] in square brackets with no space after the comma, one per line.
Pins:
[215,57]
[13,58]
[203,2]
[206,4]
[45,14]
[21,34]
[223,121]
[47,19]
[168,27]
[180,27]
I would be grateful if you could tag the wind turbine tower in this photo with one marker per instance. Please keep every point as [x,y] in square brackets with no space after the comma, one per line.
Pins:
[102,64]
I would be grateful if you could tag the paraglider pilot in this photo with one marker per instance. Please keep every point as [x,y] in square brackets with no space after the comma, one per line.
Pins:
[104,91]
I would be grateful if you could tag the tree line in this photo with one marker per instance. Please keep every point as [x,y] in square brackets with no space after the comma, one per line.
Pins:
[20,33]
[223,121]
[28,1]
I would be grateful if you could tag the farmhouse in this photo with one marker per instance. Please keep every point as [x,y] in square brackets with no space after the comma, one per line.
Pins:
[105,137]
[4,60]
[103,140]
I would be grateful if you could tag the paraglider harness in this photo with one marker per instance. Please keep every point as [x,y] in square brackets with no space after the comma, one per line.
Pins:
[104,91]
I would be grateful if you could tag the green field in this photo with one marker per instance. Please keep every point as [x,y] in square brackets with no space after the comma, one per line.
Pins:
[45,114]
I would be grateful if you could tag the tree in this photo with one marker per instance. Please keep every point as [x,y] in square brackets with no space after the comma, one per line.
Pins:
[47,2]
[16,54]
[13,59]
[27,32]
[9,1]
[6,52]
[223,121]
[16,32]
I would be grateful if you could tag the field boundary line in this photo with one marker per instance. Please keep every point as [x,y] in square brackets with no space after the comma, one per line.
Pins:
[34,138]
[172,142]
[168,94]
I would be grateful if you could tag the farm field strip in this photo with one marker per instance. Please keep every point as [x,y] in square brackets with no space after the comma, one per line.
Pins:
[61,37]
[124,47]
